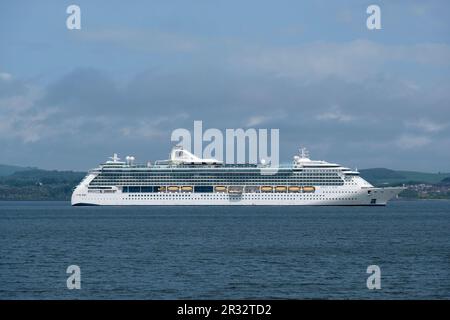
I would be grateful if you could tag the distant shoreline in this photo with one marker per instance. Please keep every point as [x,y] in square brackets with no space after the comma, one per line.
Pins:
[33,184]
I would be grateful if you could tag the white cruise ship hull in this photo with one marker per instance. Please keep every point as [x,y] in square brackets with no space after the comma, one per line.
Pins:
[322,197]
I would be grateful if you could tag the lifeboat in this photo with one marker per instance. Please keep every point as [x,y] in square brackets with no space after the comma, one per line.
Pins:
[161,189]
[309,189]
[220,189]
[280,189]
[266,189]
[186,188]
[235,189]
[251,189]
[173,188]
[294,189]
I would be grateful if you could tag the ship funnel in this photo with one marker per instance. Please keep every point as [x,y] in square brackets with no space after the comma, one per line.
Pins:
[129,159]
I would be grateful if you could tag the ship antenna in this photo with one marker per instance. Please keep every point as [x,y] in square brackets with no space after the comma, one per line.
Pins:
[114,158]
[304,153]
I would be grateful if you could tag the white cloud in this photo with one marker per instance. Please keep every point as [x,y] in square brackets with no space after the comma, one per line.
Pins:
[21,102]
[352,61]
[151,128]
[4,76]
[148,40]
[335,113]
[256,121]
[407,141]
[19,117]
[427,125]
[142,129]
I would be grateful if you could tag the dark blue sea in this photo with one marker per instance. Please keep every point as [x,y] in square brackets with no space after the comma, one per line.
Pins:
[225,252]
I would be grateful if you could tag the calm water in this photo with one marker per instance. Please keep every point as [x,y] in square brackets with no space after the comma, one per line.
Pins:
[225,252]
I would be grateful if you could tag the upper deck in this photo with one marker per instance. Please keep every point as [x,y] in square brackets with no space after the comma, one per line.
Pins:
[183,160]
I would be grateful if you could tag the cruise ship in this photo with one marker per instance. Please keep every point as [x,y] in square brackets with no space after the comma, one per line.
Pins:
[185,179]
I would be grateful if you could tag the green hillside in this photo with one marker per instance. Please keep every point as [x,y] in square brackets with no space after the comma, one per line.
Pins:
[6,170]
[424,177]
[382,176]
[36,184]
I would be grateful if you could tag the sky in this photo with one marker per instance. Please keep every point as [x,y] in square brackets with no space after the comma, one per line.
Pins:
[138,70]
